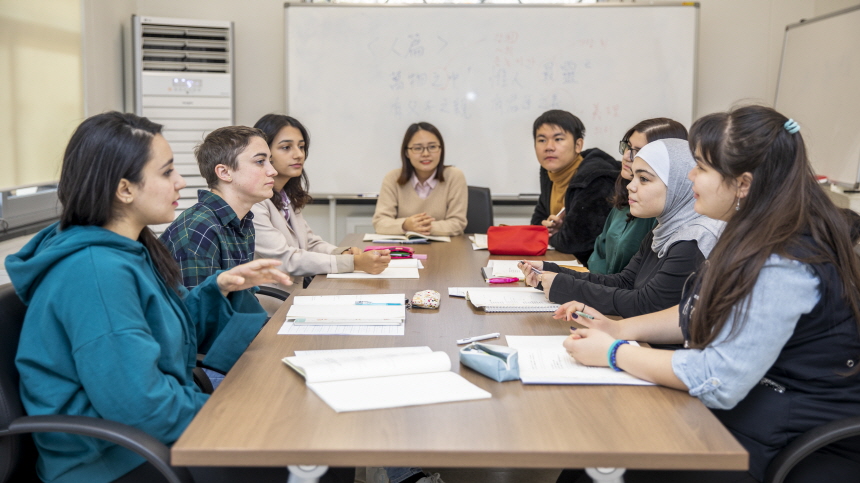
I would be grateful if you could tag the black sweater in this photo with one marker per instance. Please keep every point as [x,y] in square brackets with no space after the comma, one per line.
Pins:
[647,284]
[586,203]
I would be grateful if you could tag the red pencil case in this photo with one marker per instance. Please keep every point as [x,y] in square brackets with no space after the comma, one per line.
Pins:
[529,240]
[396,252]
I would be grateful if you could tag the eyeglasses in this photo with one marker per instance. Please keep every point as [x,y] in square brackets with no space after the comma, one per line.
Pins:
[624,145]
[431,148]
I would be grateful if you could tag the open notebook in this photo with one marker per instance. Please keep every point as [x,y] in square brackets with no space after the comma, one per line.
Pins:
[543,360]
[361,379]
[501,300]
[408,236]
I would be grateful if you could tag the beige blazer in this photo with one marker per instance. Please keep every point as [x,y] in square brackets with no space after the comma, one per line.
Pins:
[447,203]
[294,243]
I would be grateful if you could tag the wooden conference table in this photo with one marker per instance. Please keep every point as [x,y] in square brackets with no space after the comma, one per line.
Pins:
[264,415]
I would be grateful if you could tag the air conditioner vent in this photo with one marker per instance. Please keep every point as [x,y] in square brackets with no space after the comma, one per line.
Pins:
[176,48]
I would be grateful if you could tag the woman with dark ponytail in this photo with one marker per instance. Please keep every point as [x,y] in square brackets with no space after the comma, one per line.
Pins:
[770,322]
[110,332]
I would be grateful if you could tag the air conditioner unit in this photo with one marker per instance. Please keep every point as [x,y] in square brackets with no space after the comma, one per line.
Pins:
[183,79]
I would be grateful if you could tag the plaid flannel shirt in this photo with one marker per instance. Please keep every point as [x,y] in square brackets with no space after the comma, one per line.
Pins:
[209,237]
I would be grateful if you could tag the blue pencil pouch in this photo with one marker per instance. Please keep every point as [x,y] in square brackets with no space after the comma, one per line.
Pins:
[498,362]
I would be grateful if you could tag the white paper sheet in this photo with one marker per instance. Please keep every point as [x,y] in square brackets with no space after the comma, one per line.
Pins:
[566,263]
[405,263]
[326,300]
[505,268]
[479,241]
[397,391]
[291,329]
[363,365]
[461,291]
[543,360]
[368,351]
[389,272]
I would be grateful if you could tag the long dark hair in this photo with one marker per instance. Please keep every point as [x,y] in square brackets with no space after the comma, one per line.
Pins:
[296,188]
[785,204]
[408,170]
[103,150]
[652,129]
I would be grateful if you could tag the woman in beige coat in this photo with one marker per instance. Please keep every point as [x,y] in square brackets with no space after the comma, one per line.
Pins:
[281,230]
[424,195]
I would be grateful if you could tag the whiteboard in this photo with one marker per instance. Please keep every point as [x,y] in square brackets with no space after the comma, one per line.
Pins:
[819,87]
[359,75]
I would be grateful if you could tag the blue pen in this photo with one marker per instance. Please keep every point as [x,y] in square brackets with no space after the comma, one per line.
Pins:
[367,302]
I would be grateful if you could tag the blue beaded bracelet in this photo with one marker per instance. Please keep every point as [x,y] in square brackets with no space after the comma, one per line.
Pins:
[611,354]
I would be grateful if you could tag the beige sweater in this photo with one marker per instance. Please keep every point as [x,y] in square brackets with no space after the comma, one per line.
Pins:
[447,203]
[295,244]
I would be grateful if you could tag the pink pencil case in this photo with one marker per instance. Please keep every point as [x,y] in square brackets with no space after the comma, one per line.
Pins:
[396,252]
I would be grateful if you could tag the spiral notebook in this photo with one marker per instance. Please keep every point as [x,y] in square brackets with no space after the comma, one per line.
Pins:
[501,300]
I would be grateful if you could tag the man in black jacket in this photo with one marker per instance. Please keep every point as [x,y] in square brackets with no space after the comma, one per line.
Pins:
[575,185]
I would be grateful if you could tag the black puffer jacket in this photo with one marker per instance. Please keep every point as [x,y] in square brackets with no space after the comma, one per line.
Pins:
[586,203]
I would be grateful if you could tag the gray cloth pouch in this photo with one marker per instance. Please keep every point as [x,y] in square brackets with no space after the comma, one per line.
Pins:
[498,362]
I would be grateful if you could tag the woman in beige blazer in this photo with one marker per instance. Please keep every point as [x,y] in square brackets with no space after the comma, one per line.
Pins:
[281,230]
[424,195]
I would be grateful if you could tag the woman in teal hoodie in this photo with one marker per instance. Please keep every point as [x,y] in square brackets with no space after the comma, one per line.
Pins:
[623,233]
[110,332]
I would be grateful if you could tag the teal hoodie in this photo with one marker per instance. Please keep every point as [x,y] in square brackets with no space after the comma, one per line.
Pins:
[105,337]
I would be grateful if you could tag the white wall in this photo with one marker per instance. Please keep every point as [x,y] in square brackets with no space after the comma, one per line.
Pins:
[740,43]
[106,27]
[823,7]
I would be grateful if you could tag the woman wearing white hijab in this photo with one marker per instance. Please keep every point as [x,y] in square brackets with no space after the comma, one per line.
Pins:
[681,241]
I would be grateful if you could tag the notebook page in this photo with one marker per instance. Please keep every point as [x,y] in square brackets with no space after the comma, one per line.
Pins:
[397,391]
[543,360]
[339,367]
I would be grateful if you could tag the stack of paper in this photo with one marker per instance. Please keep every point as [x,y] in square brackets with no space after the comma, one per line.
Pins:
[479,241]
[461,291]
[502,300]
[398,268]
[375,309]
[567,263]
[543,360]
[376,314]
[505,268]
[361,379]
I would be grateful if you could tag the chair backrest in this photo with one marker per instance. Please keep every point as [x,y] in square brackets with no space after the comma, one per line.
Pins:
[13,449]
[479,215]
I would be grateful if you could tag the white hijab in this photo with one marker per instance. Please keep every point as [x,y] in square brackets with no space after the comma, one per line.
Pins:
[671,160]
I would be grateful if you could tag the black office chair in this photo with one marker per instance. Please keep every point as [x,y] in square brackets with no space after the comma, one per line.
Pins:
[479,215]
[273,292]
[17,451]
[800,454]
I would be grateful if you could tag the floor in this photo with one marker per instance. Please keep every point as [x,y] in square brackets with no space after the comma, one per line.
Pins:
[483,475]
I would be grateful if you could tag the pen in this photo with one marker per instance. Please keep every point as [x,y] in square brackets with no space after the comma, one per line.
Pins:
[534,270]
[503,280]
[367,302]
[583,314]
[468,340]
[557,215]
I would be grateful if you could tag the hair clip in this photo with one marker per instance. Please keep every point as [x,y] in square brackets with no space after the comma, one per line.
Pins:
[791,126]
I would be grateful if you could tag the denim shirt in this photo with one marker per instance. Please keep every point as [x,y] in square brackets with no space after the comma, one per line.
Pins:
[724,372]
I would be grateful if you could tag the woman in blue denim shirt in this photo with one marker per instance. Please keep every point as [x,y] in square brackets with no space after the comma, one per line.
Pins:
[770,322]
